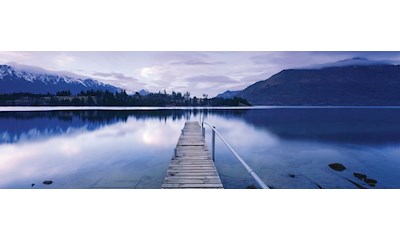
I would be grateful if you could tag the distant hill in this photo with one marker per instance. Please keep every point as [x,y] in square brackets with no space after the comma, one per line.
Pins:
[40,81]
[144,92]
[228,94]
[354,81]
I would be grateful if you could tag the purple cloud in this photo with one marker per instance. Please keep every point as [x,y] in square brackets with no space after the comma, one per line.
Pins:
[195,71]
[298,58]
[119,76]
[197,62]
[210,79]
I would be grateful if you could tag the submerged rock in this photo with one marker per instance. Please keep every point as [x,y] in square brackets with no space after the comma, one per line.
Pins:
[337,166]
[370,181]
[47,182]
[291,175]
[358,185]
[360,176]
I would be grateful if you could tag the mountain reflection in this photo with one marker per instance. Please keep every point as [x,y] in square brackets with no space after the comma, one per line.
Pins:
[342,125]
[345,125]
[35,125]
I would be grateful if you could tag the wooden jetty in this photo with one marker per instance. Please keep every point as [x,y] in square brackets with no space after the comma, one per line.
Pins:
[192,166]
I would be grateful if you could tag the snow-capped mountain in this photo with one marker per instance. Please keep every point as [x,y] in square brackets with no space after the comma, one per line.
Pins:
[37,80]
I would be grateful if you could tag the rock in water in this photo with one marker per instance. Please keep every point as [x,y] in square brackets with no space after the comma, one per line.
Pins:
[47,182]
[360,176]
[337,166]
[358,185]
[370,181]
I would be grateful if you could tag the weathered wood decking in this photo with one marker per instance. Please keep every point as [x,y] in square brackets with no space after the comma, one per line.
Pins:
[192,167]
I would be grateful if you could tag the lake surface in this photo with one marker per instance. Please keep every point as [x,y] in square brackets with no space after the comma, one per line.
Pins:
[132,147]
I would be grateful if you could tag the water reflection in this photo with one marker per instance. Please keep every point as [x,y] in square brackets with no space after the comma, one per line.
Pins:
[90,149]
[292,148]
[28,126]
[288,148]
[351,125]
[112,150]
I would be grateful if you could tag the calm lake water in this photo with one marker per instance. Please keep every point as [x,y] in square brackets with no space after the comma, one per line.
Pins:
[287,147]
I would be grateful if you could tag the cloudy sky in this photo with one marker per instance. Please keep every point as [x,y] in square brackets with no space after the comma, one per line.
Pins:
[197,72]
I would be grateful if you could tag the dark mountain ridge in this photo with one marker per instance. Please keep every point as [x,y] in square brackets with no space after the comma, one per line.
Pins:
[368,84]
[228,94]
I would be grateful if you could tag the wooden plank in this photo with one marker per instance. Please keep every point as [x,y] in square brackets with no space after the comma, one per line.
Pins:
[186,144]
[194,155]
[192,170]
[188,168]
[192,181]
[191,154]
[191,144]
[191,163]
[184,155]
[192,150]
[184,166]
[192,185]
[173,165]
[195,152]
[191,177]
[192,167]
[194,158]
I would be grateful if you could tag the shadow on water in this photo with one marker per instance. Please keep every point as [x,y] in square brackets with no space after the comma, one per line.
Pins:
[341,125]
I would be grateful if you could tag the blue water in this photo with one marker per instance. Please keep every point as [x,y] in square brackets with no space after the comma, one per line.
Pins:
[131,148]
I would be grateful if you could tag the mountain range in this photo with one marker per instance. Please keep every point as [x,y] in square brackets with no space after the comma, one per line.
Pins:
[40,81]
[356,81]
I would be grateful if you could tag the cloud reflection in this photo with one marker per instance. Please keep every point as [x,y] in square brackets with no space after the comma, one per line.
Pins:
[134,149]
[121,143]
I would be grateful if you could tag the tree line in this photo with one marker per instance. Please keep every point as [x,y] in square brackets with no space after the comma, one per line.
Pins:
[121,98]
